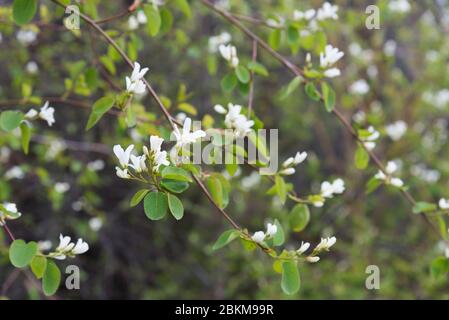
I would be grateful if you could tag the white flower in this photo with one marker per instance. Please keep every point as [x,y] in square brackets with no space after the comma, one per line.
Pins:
[62,187]
[303,248]
[64,244]
[44,245]
[68,248]
[288,171]
[80,247]
[31,67]
[306,15]
[401,6]
[135,83]
[138,163]
[95,223]
[156,156]
[391,167]
[123,155]
[133,24]
[300,157]
[220,109]
[330,56]
[443,204]
[122,173]
[96,165]
[157,3]
[396,130]
[326,243]
[14,173]
[141,17]
[46,113]
[216,41]
[313,259]
[229,53]
[10,207]
[339,186]
[235,120]
[318,203]
[25,37]
[360,87]
[390,47]
[258,237]
[332,73]
[271,230]
[327,11]
[186,137]
[396,182]
[369,141]
[329,189]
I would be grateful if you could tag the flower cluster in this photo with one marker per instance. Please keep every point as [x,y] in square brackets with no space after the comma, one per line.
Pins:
[396,130]
[291,162]
[135,21]
[152,159]
[185,137]
[324,245]
[46,113]
[66,248]
[369,137]
[216,41]
[234,119]
[260,236]
[135,83]
[328,190]
[391,168]
[229,53]
[328,58]
[8,211]
[327,11]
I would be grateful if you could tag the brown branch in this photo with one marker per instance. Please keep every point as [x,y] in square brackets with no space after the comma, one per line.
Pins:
[251,88]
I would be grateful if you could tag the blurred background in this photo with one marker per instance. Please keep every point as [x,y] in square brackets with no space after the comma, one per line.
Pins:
[67,182]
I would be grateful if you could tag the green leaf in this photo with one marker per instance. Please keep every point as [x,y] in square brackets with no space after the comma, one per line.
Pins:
[279,237]
[155,205]
[292,86]
[372,185]
[290,277]
[166,20]
[225,238]
[361,158]
[176,207]
[292,35]
[174,185]
[187,107]
[274,39]
[100,107]
[24,10]
[51,279]
[138,197]
[154,19]
[421,207]
[108,64]
[439,267]
[184,6]
[25,136]
[242,74]
[281,188]
[21,253]
[175,173]
[328,96]
[9,120]
[229,82]
[312,92]
[299,217]
[38,266]
[216,190]
[258,68]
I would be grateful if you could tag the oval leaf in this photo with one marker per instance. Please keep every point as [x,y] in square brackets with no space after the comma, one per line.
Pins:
[24,10]
[290,277]
[155,205]
[51,279]
[175,206]
[21,253]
